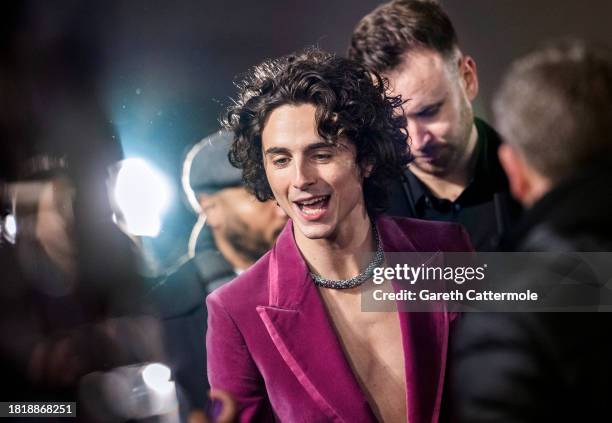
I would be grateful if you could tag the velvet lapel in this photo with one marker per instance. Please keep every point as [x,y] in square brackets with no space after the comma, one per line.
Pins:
[299,326]
[424,336]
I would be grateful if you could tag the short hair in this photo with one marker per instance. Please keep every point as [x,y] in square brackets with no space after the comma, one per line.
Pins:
[383,36]
[350,102]
[555,107]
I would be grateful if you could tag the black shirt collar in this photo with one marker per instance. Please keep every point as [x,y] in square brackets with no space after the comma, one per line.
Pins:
[487,179]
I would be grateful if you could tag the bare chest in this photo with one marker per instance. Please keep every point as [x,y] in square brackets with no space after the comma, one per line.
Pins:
[372,343]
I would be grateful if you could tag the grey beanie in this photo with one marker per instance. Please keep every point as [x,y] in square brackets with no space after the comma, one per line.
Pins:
[207,169]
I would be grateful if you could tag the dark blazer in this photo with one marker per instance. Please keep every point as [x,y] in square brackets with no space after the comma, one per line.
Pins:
[178,302]
[542,367]
[271,345]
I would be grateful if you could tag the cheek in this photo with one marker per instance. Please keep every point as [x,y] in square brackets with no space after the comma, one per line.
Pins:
[442,126]
[340,174]
[459,110]
[280,190]
[277,183]
[249,209]
[349,181]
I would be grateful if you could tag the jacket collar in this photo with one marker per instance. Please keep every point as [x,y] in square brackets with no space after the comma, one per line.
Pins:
[298,324]
[288,268]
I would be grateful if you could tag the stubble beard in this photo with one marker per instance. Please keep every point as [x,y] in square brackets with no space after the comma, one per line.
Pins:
[454,150]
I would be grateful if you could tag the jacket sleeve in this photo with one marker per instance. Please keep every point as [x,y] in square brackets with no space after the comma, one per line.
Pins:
[230,365]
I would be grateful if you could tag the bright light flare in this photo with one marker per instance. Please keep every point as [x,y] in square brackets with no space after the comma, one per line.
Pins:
[10,228]
[157,377]
[142,194]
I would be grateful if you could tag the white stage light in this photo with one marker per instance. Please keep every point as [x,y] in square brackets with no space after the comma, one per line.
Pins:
[142,194]
[157,377]
[10,226]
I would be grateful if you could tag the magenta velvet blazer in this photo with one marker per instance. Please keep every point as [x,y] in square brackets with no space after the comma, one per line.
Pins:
[271,345]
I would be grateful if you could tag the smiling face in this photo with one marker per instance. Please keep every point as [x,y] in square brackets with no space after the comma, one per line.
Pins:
[318,185]
[438,97]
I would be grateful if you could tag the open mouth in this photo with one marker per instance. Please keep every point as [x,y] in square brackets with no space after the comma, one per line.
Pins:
[314,207]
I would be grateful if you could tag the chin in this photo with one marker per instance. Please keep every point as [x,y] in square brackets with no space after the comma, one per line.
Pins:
[437,168]
[430,170]
[313,230]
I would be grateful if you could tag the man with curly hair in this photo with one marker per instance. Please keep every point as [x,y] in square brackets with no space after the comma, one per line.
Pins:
[455,175]
[318,134]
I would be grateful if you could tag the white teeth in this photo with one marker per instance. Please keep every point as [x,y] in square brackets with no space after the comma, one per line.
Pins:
[311,212]
[311,201]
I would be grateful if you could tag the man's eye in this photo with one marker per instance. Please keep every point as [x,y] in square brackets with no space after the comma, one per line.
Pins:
[322,156]
[429,112]
[280,162]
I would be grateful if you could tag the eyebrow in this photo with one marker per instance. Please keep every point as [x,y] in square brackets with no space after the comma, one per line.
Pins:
[310,147]
[429,106]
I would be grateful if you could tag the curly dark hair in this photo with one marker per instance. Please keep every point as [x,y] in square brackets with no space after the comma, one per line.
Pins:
[350,102]
[381,37]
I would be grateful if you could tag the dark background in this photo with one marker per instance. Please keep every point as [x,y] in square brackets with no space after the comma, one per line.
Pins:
[166,68]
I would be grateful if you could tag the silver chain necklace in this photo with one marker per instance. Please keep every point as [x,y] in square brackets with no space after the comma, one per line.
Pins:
[377,261]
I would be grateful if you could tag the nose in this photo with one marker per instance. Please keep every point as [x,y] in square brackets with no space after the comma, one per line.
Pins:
[418,133]
[303,176]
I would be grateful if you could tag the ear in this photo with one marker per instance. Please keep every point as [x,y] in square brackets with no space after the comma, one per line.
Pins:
[517,172]
[469,76]
[366,168]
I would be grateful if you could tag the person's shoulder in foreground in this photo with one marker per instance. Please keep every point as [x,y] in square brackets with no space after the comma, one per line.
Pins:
[537,367]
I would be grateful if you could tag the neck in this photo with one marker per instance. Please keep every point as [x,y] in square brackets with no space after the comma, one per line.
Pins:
[342,256]
[451,184]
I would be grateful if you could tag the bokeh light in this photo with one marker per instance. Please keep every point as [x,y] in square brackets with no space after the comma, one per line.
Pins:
[142,194]
[157,377]
[10,228]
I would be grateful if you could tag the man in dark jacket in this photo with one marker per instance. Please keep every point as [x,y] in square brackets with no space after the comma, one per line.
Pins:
[554,112]
[455,175]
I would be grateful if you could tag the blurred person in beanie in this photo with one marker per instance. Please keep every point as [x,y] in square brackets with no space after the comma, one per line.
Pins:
[232,231]
[554,111]
[242,228]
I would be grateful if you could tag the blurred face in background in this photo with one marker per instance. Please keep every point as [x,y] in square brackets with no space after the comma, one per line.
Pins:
[247,224]
[54,226]
[45,233]
[437,92]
